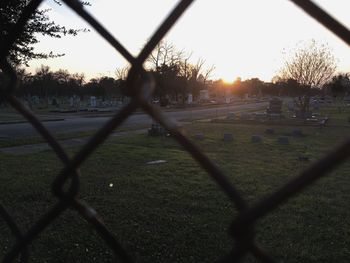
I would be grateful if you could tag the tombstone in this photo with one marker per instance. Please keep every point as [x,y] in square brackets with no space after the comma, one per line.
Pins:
[157,130]
[323,122]
[303,115]
[270,131]
[347,101]
[291,106]
[297,133]
[314,104]
[259,116]
[231,116]
[93,101]
[77,101]
[199,136]
[228,137]
[245,116]
[303,158]
[203,95]
[256,138]
[25,103]
[275,106]
[54,102]
[71,102]
[35,100]
[189,99]
[284,140]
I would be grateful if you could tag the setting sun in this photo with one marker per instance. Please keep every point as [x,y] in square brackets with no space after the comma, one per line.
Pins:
[227,80]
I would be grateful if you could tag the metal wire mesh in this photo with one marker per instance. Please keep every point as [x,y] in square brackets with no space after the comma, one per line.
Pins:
[140,83]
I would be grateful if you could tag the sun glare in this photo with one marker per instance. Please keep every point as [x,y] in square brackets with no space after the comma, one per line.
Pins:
[227,80]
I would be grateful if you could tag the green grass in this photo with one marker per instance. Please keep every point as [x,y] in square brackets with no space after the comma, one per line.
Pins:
[338,113]
[174,212]
[9,142]
[17,141]
[10,117]
[219,114]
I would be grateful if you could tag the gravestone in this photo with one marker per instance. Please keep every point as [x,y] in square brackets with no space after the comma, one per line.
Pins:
[71,101]
[284,140]
[54,102]
[93,101]
[297,133]
[245,116]
[291,106]
[228,137]
[260,116]
[190,99]
[35,100]
[157,130]
[256,138]
[303,158]
[77,101]
[270,131]
[315,104]
[199,136]
[275,106]
[231,116]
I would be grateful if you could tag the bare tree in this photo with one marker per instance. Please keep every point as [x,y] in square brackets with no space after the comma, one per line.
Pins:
[311,65]
[198,70]
[164,53]
[62,76]
[207,73]
[79,78]
[185,67]
[122,73]
[175,72]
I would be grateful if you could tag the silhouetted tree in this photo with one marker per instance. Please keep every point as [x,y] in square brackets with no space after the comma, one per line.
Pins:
[175,75]
[311,66]
[339,85]
[122,73]
[39,24]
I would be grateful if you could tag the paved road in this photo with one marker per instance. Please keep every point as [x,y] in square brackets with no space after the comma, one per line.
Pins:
[79,124]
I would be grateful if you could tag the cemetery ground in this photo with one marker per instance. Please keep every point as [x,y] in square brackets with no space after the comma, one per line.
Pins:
[173,211]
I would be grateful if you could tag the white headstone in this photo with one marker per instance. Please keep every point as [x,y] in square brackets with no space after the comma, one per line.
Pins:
[189,99]
[203,94]
[93,101]
[71,101]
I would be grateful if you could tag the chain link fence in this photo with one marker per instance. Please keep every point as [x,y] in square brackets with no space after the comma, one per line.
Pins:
[140,84]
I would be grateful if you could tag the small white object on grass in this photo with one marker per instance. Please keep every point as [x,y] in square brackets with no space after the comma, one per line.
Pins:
[110,185]
[157,162]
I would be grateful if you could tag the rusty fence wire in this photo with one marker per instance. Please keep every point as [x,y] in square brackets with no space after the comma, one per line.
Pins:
[140,84]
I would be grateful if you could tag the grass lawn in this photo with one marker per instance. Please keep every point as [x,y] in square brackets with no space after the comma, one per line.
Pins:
[17,141]
[338,113]
[173,212]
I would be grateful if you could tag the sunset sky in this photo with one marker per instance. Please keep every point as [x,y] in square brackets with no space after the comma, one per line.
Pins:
[244,38]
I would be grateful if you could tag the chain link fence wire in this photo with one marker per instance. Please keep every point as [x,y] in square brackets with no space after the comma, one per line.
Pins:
[140,84]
